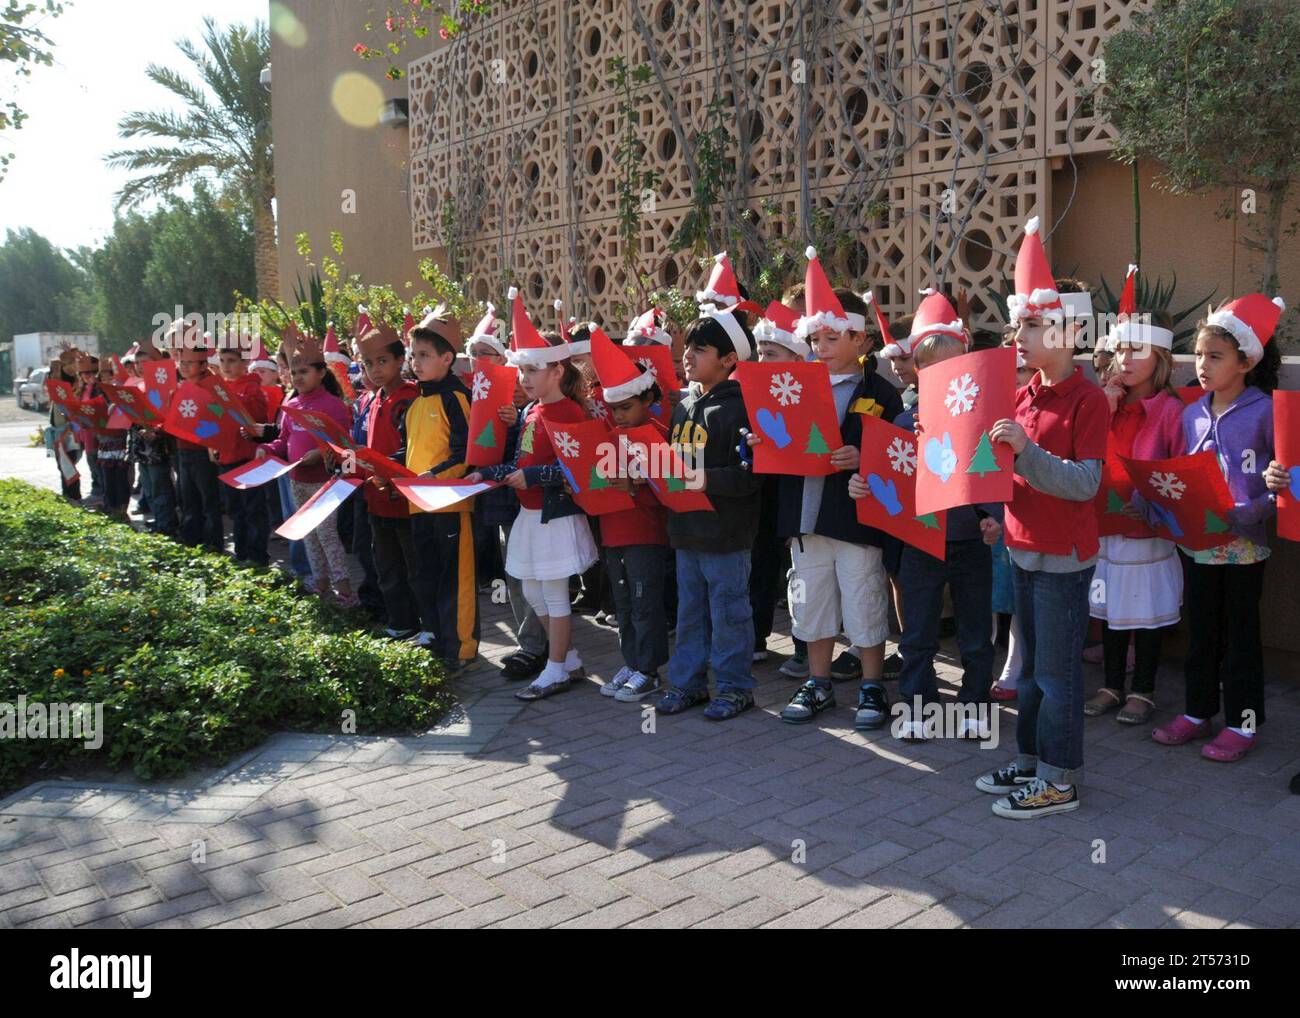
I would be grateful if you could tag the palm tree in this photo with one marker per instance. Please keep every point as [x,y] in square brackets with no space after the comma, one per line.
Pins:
[225,132]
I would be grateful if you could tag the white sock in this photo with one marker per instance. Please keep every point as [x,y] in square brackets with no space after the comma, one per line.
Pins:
[1011,670]
[1061,788]
[1195,721]
[571,661]
[1243,733]
[552,673]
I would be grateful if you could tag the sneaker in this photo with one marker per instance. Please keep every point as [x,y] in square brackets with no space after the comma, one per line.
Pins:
[796,667]
[617,682]
[846,668]
[399,634]
[637,687]
[522,665]
[760,653]
[1038,798]
[1004,780]
[677,700]
[893,666]
[873,708]
[808,701]
[726,706]
[424,639]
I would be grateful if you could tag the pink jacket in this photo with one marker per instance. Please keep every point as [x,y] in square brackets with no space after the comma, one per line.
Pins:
[294,443]
[1161,434]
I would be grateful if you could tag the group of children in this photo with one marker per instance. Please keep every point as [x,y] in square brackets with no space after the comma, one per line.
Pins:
[710,578]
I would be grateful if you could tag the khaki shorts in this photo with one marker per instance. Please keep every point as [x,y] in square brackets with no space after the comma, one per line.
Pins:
[838,587]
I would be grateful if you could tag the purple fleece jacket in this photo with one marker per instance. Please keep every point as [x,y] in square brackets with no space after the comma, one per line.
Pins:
[1245,427]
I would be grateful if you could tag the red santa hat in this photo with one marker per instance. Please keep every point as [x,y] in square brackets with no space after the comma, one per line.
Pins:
[1129,329]
[1251,320]
[722,290]
[1036,295]
[891,349]
[822,309]
[258,357]
[777,326]
[408,323]
[566,328]
[619,375]
[526,344]
[647,328]
[363,322]
[488,331]
[333,355]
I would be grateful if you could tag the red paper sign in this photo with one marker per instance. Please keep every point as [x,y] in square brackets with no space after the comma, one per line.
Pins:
[1188,496]
[274,397]
[1189,394]
[491,387]
[791,407]
[1113,495]
[159,379]
[317,509]
[372,461]
[256,472]
[87,413]
[658,360]
[436,494]
[327,432]
[210,417]
[960,400]
[889,465]
[131,402]
[579,448]
[120,375]
[1286,450]
[664,470]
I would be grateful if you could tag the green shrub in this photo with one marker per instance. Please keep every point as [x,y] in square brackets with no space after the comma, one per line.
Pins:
[194,658]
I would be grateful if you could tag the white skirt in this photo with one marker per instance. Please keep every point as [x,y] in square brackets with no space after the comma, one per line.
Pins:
[1138,583]
[549,551]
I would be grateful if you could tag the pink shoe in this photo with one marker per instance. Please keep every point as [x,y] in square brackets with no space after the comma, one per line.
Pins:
[1001,694]
[1179,731]
[1228,746]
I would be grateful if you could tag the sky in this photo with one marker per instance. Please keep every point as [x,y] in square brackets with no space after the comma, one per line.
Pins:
[58,183]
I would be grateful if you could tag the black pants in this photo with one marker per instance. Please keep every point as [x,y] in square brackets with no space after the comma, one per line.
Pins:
[1225,646]
[372,598]
[249,524]
[117,484]
[1146,658]
[636,574]
[200,494]
[767,566]
[444,578]
[394,558]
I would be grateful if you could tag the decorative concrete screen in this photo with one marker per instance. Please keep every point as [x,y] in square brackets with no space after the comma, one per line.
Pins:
[931,131]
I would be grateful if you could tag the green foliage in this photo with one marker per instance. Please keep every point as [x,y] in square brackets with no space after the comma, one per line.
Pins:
[629,156]
[414,20]
[194,658]
[696,232]
[41,288]
[26,46]
[1153,297]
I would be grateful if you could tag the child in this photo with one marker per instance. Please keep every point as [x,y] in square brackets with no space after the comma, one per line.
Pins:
[382,355]
[550,540]
[316,389]
[436,428]
[838,564]
[715,626]
[197,486]
[87,367]
[967,566]
[1237,366]
[249,523]
[298,561]
[775,333]
[635,540]
[1138,586]
[110,452]
[500,507]
[153,450]
[899,347]
[1059,440]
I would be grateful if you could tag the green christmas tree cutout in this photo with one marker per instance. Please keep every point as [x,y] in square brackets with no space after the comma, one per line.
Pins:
[1214,524]
[526,443]
[929,521]
[816,443]
[984,462]
[596,482]
[487,438]
[217,409]
[676,483]
[1114,504]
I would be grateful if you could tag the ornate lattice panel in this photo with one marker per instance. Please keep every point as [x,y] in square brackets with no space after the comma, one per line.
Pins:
[533,62]
[680,33]
[595,32]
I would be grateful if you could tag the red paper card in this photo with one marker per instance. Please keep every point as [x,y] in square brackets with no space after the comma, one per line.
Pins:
[1189,394]
[86,413]
[255,473]
[327,432]
[658,360]
[210,417]
[361,457]
[274,397]
[434,495]
[960,400]
[131,402]
[1286,450]
[120,375]
[159,379]
[580,448]
[1189,497]
[492,387]
[889,464]
[664,469]
[791,407]
[1113,495]
[317,509]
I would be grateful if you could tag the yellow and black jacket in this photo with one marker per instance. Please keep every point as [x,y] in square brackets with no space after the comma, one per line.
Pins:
[435,432]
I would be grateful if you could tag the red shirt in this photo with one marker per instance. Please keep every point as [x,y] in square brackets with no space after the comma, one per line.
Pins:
[647,523]
[535,447]
[1071,421]
[382,417]
[248,389]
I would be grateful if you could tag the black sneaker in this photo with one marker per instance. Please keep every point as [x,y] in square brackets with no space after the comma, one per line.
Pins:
[1038,798]
[893,666]
[873,708]
[808,701]
[846,668]
[1004,780]
[522,665]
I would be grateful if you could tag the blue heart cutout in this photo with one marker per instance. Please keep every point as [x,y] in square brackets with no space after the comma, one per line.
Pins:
[155,398]
[205,429]
[940,460]
[1295,483]
[886,493]
[1166,518]
[773,426]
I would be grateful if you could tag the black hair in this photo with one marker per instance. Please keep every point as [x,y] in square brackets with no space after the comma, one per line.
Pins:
[396,349]
[436,338]
[329,383]
[985,339]
[580,334]
[710,332]
[1264,375]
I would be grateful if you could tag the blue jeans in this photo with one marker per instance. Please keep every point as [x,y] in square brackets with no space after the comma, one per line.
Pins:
[200,493]
[297,550]
[715,625]
[968,570]
[156,482]
[1053,611]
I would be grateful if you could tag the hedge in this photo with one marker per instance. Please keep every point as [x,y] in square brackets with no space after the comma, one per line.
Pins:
[194,658]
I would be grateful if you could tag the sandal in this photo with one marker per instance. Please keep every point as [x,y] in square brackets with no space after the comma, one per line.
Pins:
[1136,714]
[1103,700]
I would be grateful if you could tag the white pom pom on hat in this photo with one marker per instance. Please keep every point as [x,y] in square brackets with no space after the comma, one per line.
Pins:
[512,293]
[810,252]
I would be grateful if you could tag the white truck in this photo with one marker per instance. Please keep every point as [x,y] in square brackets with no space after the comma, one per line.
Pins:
[32,350]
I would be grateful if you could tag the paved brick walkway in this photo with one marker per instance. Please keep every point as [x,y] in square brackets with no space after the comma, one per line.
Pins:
[566,812]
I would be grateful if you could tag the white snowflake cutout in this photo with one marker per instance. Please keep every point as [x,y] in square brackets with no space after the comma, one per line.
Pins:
[1168,485]
[785,390]
[482,386]
[221,393]
[88,409]
[902,456]
[566,444]
[160,376]
[188,408]
[649,364]
[126,398]
[961,395]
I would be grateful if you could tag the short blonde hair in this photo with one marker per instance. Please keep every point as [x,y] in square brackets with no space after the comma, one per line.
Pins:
[937,347]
